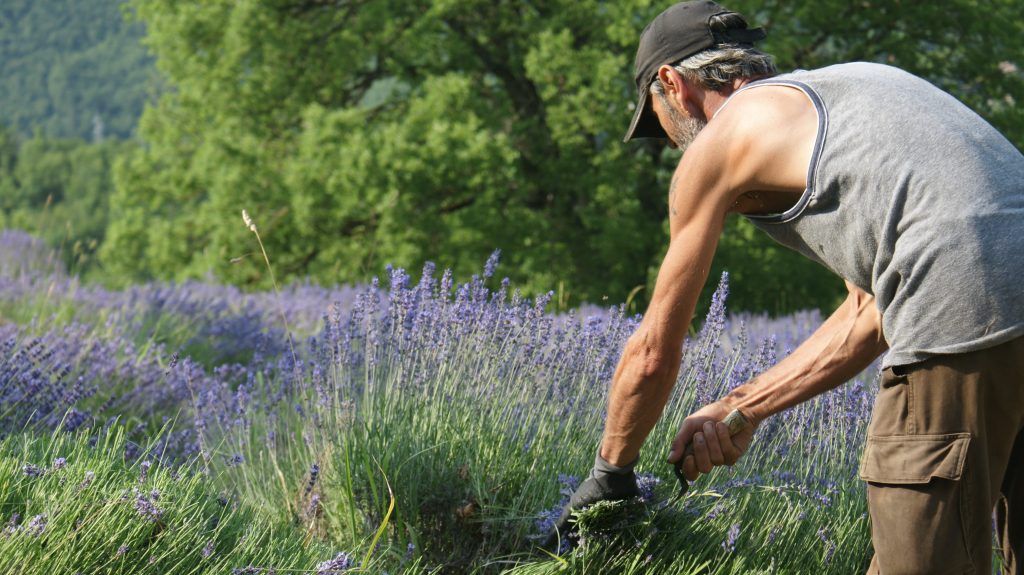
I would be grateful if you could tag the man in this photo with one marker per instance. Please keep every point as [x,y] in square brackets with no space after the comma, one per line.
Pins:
[907,195]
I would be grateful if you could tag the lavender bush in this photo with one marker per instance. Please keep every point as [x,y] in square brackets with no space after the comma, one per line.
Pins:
[450,411]
[423,426]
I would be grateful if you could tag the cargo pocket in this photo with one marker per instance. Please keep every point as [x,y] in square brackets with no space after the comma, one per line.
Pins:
[918,501]
[893,413]
[910,459]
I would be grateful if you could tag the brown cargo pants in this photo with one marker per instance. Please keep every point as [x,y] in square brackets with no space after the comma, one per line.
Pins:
[946,447]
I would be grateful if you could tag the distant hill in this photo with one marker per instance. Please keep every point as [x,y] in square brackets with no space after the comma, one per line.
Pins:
[72,68]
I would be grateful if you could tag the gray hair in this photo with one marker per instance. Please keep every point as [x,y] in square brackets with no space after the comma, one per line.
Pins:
[716,68]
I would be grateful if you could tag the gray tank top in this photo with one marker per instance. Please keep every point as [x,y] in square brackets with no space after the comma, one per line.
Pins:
[915,199]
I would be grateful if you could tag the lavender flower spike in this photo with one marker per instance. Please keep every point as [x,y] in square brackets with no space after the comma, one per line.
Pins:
[37,525]
[341,562]
[730,538]
[31,470]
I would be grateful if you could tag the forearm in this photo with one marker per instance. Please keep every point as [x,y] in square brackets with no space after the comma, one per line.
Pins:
[639,392]
[647,371]
[845,344]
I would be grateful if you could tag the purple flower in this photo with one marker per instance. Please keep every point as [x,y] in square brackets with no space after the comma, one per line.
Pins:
[569,484]
[646,482]
[492,264]
[37,525]
[144,470]
[31,470]
[314,473]
[716,510]
[122,550]
[341,562]
[12,525]
[730,538]
[145,505]
[314,505]
[59,463]
[830,547]
[207,549]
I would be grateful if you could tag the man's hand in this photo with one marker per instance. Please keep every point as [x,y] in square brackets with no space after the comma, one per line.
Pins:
[606,482]
[712,444]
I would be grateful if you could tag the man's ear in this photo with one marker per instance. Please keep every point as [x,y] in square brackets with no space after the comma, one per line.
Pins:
[676,89]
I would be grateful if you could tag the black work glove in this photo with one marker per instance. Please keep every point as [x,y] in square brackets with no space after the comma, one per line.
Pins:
[606,482]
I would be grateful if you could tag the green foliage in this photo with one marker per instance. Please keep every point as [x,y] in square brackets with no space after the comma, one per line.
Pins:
[58,189]
[378,131]
[72,68]
[434,135]
[766,276]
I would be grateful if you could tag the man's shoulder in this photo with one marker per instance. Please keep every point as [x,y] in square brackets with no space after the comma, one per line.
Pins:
[765,136]
[772,104]
[845,72]
[856,67]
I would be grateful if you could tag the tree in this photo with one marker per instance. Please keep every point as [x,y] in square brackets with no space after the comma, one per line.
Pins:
[68,65]
[372,132]
[58,189]
[362,132]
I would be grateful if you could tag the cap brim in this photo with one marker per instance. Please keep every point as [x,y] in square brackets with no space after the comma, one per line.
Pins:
[645,122]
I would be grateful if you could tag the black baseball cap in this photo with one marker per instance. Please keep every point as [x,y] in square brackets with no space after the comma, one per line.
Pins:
[679,32]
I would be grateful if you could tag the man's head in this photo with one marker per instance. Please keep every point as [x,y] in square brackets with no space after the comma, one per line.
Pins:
[706,45]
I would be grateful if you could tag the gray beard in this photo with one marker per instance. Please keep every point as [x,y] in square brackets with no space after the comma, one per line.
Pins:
[683,129]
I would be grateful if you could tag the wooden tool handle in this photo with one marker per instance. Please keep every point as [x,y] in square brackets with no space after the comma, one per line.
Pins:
[736,423]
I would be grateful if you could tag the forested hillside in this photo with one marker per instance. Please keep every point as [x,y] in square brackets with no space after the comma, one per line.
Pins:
[71,68]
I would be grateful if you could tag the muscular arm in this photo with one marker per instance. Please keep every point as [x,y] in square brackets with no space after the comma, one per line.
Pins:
[701,195]
[650,362]
[843,346]
[761,143]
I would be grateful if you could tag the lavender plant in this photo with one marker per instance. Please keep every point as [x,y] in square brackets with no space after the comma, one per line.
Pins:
[469,403]
[212,324]
[419,426]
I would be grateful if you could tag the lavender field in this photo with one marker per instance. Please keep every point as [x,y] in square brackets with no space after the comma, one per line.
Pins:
[397,427]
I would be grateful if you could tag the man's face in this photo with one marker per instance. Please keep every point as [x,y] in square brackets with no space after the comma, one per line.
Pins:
[680,126]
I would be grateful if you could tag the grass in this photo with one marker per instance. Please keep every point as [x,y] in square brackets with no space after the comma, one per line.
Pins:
[84,497]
